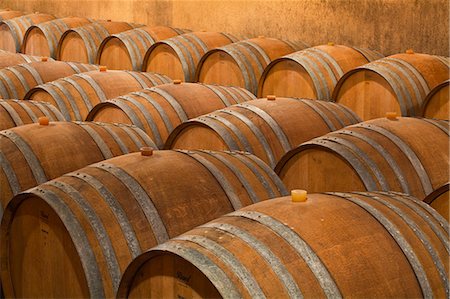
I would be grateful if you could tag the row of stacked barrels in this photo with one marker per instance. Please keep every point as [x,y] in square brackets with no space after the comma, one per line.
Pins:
[135,180]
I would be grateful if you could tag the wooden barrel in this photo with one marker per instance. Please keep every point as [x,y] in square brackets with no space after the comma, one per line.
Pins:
[16,81]
[405,154]
[10,14]
[158,110]
[42,39]
[125,50]
[13,30]
[436,104]
[15,113]
[81,44]
[312,73]
[34,154]
[242,63]
[177,57]
[9,59]
[76,95]
[334,245]
[398,83]
[102,216]
[439,199]
[266,128]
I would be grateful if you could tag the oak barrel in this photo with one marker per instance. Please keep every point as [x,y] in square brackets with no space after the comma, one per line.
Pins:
[13,30]
[76,95]
[16,81]
[177,57]
[9,59]
[267,128]
[10,14]
[404,154]
[312,73]
[439,199]
[81,44]
[42,39]
[126,50]
[334,245]
[158,110]
[396,83]
[34,154]
[14,113]
[98,218]
[436,104]
[242,63]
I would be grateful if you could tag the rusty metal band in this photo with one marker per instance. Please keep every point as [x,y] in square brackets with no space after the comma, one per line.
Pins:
[151,77]
[313,64]
[218,93]
[30,112]
[401,92]
[78,235]
[145,38]
[194,39]
[328,61]
[256,131]
[359,166]
[36,76]
[426,207]
[91,47]
[351,116]
[20,77]
[295,45]
[229,125]
[384,184]
[212,123]
[130,43]
[218,278]
[248,48]
[97,226]
[133,51]
[272,261]
[419,234]
[108,128]
[231,37]
[317,267]
[20,25]
[331,108]
[62,106]
[121,102]
[132,134]
[148,142]
[231,92]
[12,113]
[3,90]
[149,119]
[33,162]
[115,207]
[68,98]
[370,55]
[260,51]
[424,215]
[74,67]
[11,87]
[237,173]
[80,90]
[412,69]
[98,90]
[384,153]
[172,101]
[313,104]
[443,59]
[137,76]
[394,231]
[437,124]
[271,122]
[408,152]
[142,198]
[101,144]
[244,65]
[99,31]
[320,84]
[15,31]
[244,159]
[28,58]
[245,93]
[244,276]
[10,176]
[49,31]
[220,178]
[185,60]
[58,115]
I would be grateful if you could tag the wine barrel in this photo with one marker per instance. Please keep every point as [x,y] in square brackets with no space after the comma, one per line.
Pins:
[177,57]
[334,245]
[267,128]
[404,154]
[81,44]
[76,95]
[97,219]
[42,39]
[19,112]
[436,104]
[16,81]
[34,154]
[9,59]
[10,14]
[13,30]
[398,83]
[158,110]
[312,73]
[439,200]
[242,63]
[125,50]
